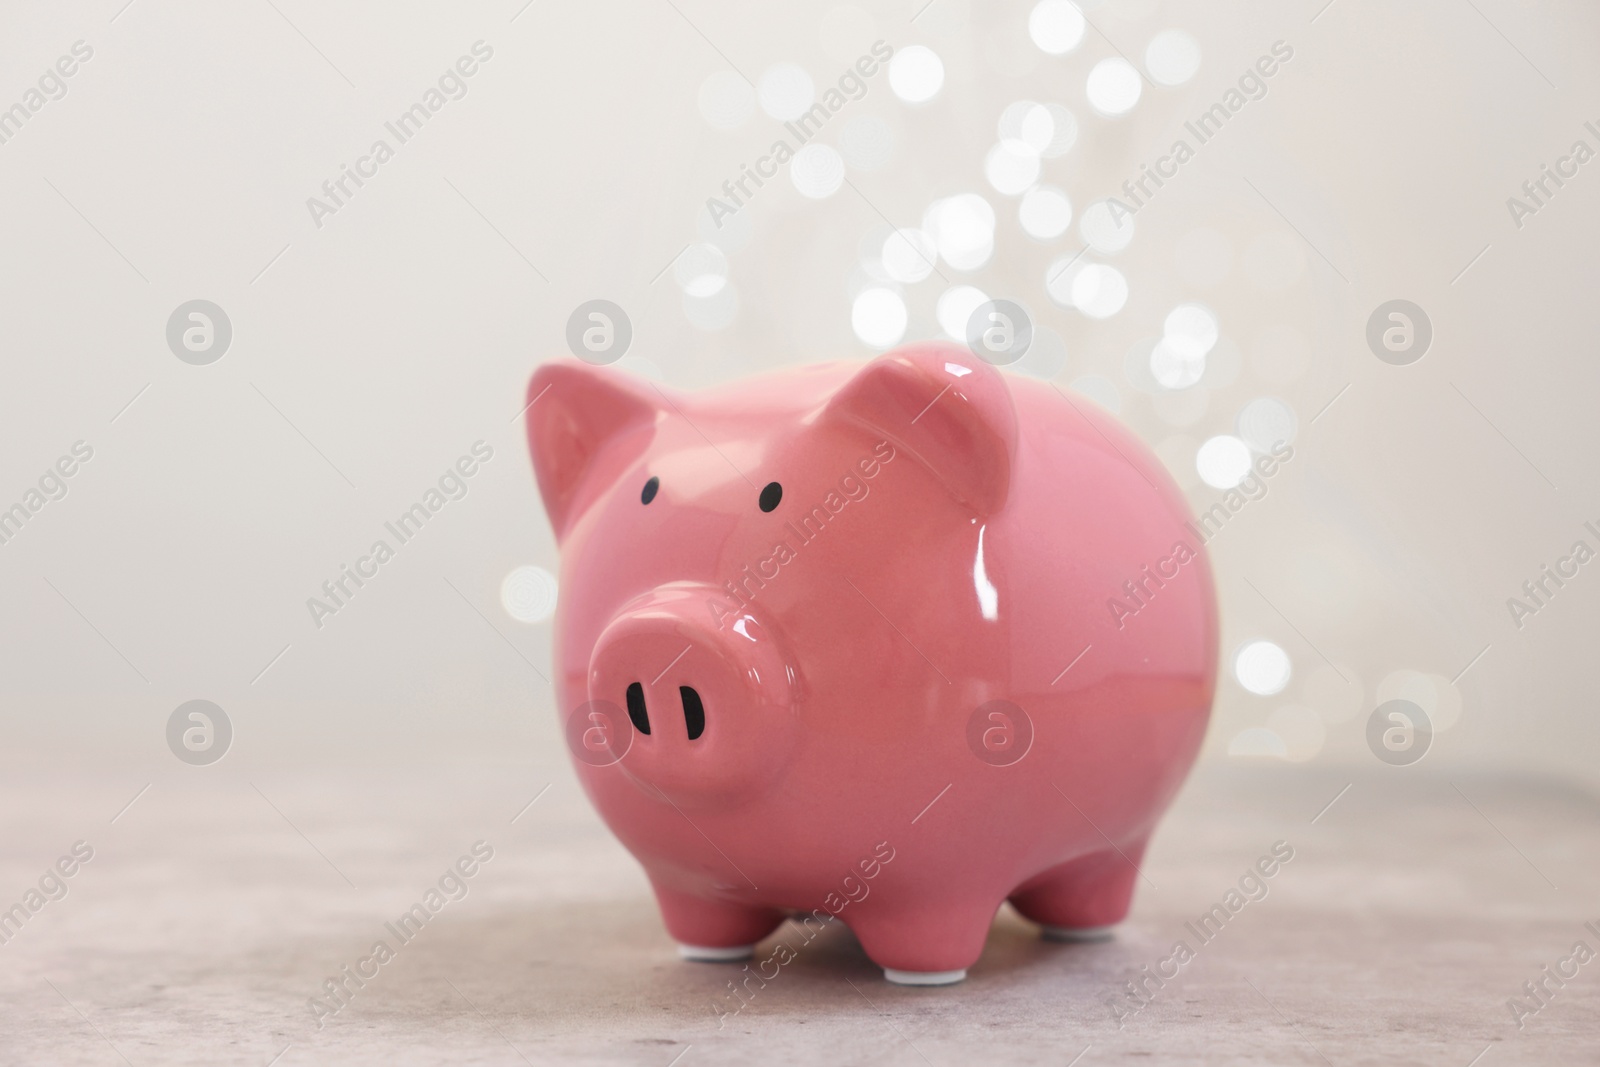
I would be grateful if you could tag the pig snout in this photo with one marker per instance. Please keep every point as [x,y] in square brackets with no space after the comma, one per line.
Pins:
[712,707]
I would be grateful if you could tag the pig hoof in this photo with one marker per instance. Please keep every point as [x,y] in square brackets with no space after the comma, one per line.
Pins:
[706,954]
[1077,933]
[924,977]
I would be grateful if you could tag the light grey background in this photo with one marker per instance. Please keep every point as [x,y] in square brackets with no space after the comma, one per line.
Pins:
[404,329]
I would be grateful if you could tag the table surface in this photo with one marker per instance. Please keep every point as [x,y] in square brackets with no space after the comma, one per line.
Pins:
[216,905]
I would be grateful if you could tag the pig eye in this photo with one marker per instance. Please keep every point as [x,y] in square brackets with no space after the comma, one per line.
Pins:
[771,495]
[650,488]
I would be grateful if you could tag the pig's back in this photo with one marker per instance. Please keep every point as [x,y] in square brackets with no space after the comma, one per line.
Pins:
[1090,509]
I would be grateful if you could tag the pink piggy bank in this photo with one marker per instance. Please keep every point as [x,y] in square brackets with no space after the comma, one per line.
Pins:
[893,643]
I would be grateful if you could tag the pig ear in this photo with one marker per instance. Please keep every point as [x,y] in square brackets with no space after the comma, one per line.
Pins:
[584,425]
[948,409]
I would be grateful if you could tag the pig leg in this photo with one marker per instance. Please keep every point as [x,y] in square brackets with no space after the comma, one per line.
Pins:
[713,930]
[924,942]
[1082,899]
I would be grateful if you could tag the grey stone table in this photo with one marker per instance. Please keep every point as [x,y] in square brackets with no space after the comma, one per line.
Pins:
[217,904]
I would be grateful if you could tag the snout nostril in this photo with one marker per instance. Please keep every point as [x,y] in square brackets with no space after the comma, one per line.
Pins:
[694,712]
[636,709]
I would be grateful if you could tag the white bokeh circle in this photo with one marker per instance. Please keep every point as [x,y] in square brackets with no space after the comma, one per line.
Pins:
[1056,26]
[1106,229]
[1114,87]
[1267,422]
[528,594]
[1172,57]
[701,270]
[1191,329]
[1045,212]
[1223,461]
[1063,131]
[916,74]
[962,228]
[908,255]
[1262,668]
[1011,168]
[878,317]
[1099,291]
[955,308]
[1027,127]
[786,91]
[726,101]
[817,171]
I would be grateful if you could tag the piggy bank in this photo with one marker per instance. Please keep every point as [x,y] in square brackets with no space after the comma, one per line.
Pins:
[890,643]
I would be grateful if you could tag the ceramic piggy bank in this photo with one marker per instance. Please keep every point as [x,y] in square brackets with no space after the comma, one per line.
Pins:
[893,643]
